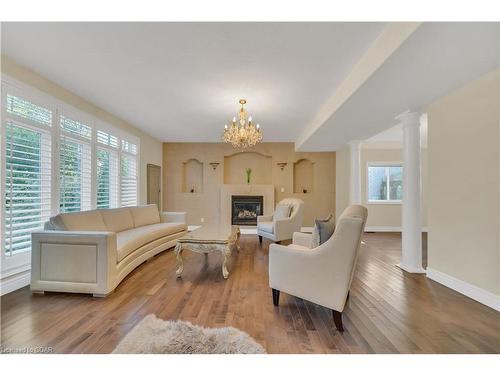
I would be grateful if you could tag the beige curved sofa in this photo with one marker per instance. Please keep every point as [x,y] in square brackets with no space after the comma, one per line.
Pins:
[92,251]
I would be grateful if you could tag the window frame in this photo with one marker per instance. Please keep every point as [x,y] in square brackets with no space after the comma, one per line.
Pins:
[386,165]
[113,175]
[20,262]
[125,154]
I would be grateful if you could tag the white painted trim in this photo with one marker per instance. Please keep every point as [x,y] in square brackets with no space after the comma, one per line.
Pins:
[379,202]
[17,281]
[478,294]
[388,229]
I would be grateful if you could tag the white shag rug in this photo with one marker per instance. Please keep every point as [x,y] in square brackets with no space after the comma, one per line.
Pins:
[156,336]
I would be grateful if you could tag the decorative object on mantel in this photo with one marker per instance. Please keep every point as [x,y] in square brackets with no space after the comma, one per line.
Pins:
[304,191]
[248,171]
[214,165]
[156,336]
[243,134]
[282,165]
[192,190]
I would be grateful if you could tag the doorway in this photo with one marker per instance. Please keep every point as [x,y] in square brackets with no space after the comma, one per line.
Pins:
[154,185]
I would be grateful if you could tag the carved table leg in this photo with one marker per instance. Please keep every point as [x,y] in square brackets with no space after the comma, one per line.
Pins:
[226,254]
[180,263]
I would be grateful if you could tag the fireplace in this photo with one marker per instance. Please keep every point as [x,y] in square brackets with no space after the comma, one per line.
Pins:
[246,208]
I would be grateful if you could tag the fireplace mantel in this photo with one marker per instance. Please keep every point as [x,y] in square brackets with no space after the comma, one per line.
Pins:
[228,190]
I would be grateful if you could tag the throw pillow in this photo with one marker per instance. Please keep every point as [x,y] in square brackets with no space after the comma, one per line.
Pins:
[315,233]
[282,211]
[323,230]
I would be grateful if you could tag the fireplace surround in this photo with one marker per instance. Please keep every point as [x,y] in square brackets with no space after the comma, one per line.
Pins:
[246,208]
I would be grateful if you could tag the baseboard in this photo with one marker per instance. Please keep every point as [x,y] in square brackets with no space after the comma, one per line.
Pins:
[253,230]
[244,230]
[11,283]
[388,229]
[478,294]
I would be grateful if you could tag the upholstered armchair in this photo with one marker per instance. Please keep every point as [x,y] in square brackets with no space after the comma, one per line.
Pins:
[278,228]
[322,275]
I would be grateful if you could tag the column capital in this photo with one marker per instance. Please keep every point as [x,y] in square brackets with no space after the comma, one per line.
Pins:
[409,118]
[355,143]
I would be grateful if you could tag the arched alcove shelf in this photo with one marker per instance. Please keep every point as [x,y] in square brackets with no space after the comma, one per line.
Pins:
[236,164]
[303,176]
[192,176]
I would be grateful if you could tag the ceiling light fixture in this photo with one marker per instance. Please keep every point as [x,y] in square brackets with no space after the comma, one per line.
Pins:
[242,134]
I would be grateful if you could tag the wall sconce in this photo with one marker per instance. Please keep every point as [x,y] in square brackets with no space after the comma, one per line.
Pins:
[282,165]
[214,165]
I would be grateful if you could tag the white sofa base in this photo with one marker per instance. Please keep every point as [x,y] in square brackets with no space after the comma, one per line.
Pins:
[93,270]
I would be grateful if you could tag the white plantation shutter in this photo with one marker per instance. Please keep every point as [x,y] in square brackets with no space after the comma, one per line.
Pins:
[75,127]
[107,178]
[29,111]
[129,147]
[74,175]
[27,184]
[107,139]
[128,171]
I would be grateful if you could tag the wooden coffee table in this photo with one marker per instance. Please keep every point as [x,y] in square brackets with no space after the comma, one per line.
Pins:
[208,239]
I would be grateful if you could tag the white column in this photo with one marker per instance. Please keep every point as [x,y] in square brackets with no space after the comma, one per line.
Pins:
[411,258]
[355,180]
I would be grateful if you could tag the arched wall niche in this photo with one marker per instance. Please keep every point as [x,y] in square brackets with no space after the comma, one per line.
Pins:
[303,176]
[192,176]
[236,164]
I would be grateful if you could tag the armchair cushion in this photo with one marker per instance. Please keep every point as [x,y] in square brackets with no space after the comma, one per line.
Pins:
[266,226]
[298,247]
[302,240]
[282,211]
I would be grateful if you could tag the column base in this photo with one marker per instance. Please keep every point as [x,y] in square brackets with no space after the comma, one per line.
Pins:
[410,269]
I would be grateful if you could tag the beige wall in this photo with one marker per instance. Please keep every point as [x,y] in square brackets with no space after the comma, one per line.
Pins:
[388,216]
[151,148]
[464,183]
[262,159]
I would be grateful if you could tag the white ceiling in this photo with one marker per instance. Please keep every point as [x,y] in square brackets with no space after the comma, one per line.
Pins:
[182,81]
[434,60]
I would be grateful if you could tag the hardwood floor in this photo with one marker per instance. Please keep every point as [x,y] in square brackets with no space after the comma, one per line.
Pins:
[389,311]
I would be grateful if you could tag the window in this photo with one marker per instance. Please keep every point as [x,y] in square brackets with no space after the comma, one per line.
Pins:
[28,110]
[107,179]
[27,185]
[129,147]
[128,180]
[75,127]
[385,183]
[107,139]
[74,175]
[54,159]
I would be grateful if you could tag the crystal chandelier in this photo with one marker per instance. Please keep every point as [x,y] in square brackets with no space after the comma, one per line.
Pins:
[243,134]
